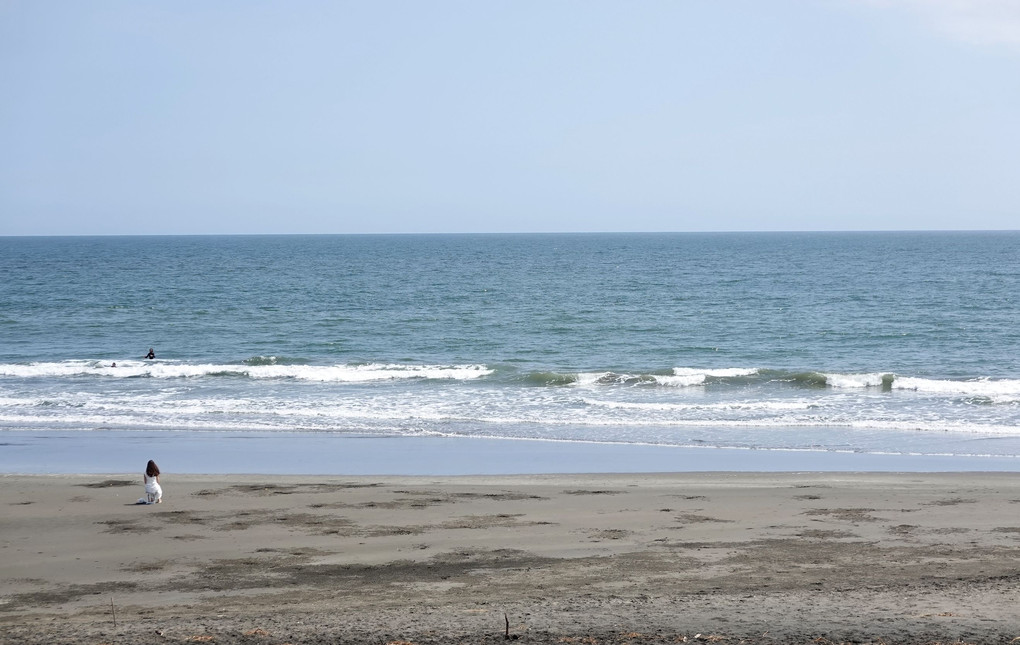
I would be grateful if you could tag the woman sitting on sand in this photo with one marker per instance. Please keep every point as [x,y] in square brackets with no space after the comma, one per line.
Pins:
[153,491]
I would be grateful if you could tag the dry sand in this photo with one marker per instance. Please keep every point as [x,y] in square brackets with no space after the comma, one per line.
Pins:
[729,558]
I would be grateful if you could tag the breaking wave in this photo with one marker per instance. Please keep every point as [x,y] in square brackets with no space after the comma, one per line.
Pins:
[974,390]
[260,368]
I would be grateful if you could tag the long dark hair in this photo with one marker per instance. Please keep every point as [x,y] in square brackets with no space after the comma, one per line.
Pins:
[151,469]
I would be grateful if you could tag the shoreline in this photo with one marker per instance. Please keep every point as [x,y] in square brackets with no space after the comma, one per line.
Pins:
[735,557]
[106,451]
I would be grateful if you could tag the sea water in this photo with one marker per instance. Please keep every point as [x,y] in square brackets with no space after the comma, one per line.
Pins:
[863,343]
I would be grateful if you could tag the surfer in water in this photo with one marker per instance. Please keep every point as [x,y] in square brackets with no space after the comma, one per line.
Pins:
[151,355]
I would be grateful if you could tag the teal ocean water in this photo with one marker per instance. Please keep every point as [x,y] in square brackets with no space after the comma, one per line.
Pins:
[883,343]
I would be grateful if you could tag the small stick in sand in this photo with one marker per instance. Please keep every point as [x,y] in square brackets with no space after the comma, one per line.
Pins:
[507,619]
[114,610]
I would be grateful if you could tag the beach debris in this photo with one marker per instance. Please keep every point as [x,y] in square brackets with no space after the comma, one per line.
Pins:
[506,635]
[258,631]
[201,638]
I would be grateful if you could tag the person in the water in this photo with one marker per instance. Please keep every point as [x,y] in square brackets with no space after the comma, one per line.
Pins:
[151,354]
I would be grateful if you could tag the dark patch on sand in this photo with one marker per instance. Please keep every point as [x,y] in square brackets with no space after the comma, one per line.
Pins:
[826,535]
[845,514]
[406,502]
[507,496]
[320,524]
[303,552]
[598,535]
[146,567]
[183,517]
[483,521]
[693,518]
[421,499]
[295,570]
[903,529]
[951,502]
[279,489]
[126,526]
[111,483]
[384,531]
[65,594]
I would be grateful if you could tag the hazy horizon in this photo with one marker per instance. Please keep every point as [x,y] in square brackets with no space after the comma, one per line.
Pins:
[524,233]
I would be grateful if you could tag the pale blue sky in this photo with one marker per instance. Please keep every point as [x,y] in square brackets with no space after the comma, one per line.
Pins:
[494,116]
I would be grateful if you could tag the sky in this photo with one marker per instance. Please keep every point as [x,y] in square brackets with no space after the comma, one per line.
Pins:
[414,116]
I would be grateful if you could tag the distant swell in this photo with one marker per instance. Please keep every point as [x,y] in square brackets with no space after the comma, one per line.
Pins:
[550,378]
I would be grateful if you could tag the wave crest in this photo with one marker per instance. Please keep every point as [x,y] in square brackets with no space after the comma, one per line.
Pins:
[876,379]
[262,369]
[996,391]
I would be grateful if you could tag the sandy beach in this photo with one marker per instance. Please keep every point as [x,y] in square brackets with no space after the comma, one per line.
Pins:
[586,559]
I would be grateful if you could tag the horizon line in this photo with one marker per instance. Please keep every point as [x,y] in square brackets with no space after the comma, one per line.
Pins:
[507,233]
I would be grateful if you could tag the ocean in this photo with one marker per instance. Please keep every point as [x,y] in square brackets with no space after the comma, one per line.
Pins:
[280,351]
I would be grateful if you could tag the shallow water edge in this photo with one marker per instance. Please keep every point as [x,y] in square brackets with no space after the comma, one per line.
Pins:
[58,452]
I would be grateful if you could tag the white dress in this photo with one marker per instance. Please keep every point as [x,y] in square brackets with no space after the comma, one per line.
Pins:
[152,487]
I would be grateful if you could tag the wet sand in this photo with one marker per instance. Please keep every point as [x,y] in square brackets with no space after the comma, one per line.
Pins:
[586,559]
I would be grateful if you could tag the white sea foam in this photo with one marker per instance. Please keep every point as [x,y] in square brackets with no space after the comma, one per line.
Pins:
[936,426]
[729,406]
[998,391]
[685,406]
[729,372]
[173,369]
[682,380]
[715,432]
[854,380]
[588,379]
[366,373]
[681,377]
[689,376]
